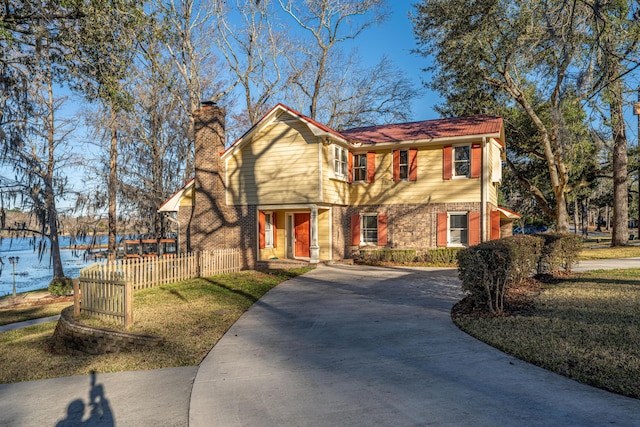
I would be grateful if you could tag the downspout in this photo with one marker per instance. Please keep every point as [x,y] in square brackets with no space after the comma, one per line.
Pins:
[484,195]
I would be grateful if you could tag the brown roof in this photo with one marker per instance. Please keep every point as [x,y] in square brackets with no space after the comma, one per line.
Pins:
[425,130]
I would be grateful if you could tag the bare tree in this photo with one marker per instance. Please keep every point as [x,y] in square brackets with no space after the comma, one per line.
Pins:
[328,24]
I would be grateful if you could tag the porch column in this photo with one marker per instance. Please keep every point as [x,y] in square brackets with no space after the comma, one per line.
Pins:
[314,249]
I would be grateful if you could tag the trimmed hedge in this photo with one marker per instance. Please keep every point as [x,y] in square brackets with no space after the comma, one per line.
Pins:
[442,256]
[560,252]
[488,269]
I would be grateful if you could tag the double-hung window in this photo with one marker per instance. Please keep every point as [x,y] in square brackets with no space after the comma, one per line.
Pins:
[462,161]
[404,165]
[268,229]
[369,228]
[360,168]
[458,229]
[340,161]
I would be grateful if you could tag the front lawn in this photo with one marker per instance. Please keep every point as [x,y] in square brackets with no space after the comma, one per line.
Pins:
[190,316]
[586,327]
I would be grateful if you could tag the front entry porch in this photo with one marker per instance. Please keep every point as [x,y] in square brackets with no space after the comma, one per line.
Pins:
[294,232]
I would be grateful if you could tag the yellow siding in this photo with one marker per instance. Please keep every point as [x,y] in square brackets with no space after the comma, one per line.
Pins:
[280,164]
[429,187]
[324,234]
[333,190]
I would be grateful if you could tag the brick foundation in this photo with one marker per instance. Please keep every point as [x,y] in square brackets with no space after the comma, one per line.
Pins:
[76,338]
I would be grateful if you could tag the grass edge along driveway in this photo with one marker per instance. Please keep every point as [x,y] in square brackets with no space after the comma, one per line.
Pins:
[191,316]
[585,327]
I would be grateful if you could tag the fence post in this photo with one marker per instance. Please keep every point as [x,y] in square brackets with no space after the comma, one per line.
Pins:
[128,304]
[76,297]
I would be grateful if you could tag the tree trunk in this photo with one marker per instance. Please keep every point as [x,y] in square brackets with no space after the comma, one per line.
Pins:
[112,186]
[50,201]
[620,234]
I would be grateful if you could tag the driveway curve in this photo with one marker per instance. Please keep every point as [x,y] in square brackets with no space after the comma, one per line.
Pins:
[363,346]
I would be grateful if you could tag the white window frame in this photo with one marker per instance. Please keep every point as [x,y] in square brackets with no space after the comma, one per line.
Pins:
[450,229]
[359,169]
[364,230]
[340,162]
[268,230]
[454,161]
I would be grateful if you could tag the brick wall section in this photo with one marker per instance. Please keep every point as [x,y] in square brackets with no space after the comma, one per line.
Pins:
[409,226]
[213,224]
[76,338]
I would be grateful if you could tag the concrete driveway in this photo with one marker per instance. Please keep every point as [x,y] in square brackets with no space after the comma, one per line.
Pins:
[362,346]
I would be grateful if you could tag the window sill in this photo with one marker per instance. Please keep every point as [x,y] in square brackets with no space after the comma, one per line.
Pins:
[339,179]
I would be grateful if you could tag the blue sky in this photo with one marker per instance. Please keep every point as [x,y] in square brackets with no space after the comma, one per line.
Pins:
[395,39]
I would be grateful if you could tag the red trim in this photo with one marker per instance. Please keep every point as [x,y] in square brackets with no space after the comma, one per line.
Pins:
[261,230]
[413,164]
[474,228]
[190,182]
[442,227]
[447,162]
[382,229]
[371,167]
[495,225]
[350,173]
[355,229]
[476,160]
[396,165]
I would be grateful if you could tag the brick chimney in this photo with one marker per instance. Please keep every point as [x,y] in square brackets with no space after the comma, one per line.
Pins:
[214,225]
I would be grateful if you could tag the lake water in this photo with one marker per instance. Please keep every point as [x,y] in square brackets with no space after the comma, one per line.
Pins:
[33,271]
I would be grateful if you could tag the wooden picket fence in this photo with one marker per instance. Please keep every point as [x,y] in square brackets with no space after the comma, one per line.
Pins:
[105,288]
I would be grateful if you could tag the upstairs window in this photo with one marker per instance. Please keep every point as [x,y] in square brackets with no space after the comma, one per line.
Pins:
[360,168]
[340,161]
[403,165]
[462,161]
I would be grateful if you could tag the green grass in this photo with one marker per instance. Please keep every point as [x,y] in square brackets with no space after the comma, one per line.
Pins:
[190,316]
[27,312]
[596,252]
[586,327]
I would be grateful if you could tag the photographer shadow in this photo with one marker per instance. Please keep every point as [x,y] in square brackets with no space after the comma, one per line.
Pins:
[100,413]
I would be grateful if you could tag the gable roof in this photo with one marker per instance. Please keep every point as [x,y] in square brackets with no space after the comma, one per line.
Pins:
[173,203]
[316,128]
[426,130]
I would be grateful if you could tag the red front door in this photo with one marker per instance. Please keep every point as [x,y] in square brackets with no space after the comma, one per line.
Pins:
[303,242]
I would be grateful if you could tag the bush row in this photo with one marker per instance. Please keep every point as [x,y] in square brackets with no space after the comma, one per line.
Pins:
[488,269]
[445,256]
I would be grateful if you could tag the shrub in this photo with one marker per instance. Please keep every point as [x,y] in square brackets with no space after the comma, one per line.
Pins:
[398,256]
[486,270]
[443,256]
[560,251]
[61,287]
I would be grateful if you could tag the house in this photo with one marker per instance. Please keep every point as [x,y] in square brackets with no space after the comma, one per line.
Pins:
[291,187]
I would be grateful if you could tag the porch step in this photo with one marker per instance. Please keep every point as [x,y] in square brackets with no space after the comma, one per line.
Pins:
[281,264]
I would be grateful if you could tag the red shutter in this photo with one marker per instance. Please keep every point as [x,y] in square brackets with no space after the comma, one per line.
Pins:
[275,229]
[413,164]
[355,229]
[396,165]
[371,167]
[261,239]
[495,225]
[442,227]
[474,228]
[350,167]
[382,229]
[476,160]
[447,166]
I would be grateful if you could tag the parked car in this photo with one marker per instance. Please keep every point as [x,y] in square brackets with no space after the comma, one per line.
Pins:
[531,229]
